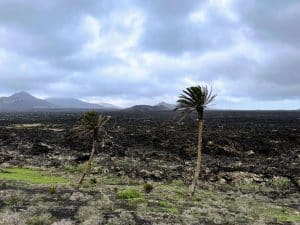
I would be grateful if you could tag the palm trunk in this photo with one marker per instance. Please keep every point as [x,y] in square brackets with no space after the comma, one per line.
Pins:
[199,157]
[89,164]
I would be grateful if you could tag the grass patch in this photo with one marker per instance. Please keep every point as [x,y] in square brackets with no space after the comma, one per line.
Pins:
[133,197]
[15,200]
[280,183]
[176,190]
[80,168]
[30,176]
[166,207]
[177,183]
[288,218]
[282,214]
[118,180]
[129,194]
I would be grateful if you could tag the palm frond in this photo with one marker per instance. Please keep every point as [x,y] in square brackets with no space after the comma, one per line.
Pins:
[195,98]
[90,122]
[184,113]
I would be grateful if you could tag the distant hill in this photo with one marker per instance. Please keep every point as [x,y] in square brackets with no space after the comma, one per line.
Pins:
[165,106]
[148,108]
[23,101]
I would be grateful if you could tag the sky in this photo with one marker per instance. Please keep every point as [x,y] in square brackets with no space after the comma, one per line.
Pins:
[132,52]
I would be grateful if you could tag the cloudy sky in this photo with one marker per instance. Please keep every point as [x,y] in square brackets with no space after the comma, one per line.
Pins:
[133,52]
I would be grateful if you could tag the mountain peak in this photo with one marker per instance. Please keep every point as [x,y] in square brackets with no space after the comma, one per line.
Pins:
[22,101]
[162,106]
[165,105]
[22,94]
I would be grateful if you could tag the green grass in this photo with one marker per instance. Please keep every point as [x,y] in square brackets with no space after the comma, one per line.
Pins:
[133,196]
[77,168]
[280,183]
[30,176]
[175,190]
[168,207]
[129,194]
[283,214]
[288,218]
[118,180]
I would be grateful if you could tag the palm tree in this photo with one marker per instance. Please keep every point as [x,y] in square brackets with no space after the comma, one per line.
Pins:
[195,98]
[90,124]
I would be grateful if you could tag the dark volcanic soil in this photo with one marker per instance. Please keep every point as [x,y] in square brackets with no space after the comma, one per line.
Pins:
[263,142]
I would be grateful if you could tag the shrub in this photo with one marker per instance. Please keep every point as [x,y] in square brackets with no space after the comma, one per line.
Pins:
[93,180]
[15,201]
[52,190]
[148,188]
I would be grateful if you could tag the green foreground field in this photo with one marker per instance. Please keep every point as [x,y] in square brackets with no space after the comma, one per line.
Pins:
[36,196]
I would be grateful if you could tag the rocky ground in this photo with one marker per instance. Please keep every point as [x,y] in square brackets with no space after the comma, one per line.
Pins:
[250,171]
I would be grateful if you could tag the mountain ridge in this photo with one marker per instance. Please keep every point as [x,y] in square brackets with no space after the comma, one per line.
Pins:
[23,101]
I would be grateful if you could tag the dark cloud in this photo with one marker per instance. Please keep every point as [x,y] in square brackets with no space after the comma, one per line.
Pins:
[272,20]
[170,27]
[39,30]
[272,25]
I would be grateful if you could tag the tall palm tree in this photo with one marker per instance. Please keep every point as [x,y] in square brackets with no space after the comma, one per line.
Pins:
[90,124]
[195,99]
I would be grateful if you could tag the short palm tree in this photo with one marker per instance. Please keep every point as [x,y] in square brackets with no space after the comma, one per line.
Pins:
[90,124]
[195,99]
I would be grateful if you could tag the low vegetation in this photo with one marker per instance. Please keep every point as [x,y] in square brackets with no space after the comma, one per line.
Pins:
[34,176]
[110,199]
[148,187]
[129,194]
